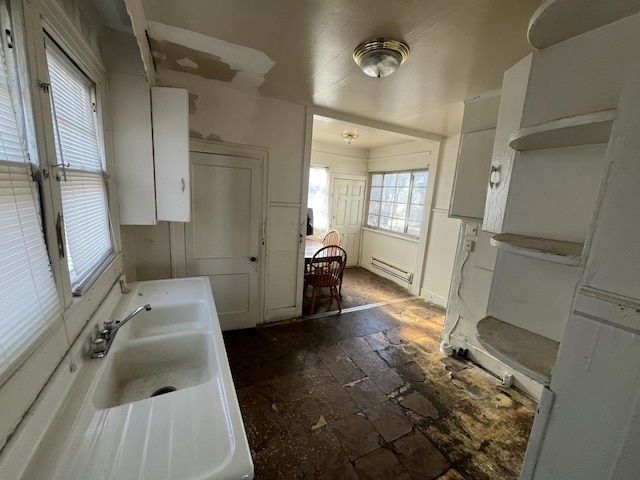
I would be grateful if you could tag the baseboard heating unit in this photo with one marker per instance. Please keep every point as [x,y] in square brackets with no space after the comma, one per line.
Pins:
[392,270]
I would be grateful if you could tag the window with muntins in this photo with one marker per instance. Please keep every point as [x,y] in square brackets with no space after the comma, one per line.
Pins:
[396,201]
[28,297]
[78,150]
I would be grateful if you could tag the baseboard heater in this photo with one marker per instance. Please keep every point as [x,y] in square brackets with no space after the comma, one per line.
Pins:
[391,270]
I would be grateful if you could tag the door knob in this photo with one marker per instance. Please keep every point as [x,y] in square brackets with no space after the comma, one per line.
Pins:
[253,259]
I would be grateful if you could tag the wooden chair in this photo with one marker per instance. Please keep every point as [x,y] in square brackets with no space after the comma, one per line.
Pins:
[325,271]
[332,237]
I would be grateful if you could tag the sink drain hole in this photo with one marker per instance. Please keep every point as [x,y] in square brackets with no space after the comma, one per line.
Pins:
[162,391]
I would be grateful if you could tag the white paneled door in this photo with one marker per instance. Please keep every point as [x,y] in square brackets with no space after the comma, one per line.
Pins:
[346,214]
[223,238]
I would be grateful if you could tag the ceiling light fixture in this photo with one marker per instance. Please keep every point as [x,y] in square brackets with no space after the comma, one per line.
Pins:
[380,57]
[349,137]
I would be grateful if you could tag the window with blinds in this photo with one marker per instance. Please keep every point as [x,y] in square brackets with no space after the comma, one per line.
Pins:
[83,189]
[28,296]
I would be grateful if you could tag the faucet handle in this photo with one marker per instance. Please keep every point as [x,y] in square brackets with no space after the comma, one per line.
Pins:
[109,324]
[99,347]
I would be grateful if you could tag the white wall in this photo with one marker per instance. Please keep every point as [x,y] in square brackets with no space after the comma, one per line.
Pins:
[346,159]
[220,113]
[443,233]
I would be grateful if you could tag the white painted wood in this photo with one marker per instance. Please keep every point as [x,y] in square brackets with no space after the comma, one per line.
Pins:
[557,251]
[170,111]
[527,352]
[532,294]
[581,75]
[347,207]
[472,173]
[558,20]
[139,26]
[224,243]
[130,100]
[586,129]
[514,88]
[553,192]
[481,113]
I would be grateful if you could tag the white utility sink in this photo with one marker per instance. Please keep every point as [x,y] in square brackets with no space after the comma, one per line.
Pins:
[147,368]
[170,318]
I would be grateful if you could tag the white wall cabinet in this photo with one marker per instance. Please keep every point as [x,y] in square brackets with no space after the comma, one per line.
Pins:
[151,145]
[170,109]
[133,148]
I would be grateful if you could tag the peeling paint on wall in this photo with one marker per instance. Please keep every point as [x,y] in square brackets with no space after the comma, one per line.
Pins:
[187,51]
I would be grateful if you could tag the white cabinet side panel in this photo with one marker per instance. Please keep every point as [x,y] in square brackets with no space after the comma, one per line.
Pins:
[171,151]
[130,104]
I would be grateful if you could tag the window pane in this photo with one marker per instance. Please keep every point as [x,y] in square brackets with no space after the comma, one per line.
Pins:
[404,179]
[376,193]
[420,179]
[28,296]
[372,221]
[397,225]
[400,210]
[385,222]
[388,194]
[376,180]
[415,213]
[418,195]
[374,208]
[317,198]
[84,199]
[390,179]
[386,209]
[402,195]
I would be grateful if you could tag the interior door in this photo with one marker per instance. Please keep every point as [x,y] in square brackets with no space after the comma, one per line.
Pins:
[222,241]
[346,214]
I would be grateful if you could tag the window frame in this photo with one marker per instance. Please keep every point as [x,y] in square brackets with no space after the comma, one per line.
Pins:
[404,233]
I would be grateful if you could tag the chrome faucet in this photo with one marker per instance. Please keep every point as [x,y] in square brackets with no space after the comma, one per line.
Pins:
[102,343]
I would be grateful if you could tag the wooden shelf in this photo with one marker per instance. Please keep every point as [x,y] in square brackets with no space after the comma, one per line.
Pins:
[586,129]
[557,251]
[559,20]
[525,351]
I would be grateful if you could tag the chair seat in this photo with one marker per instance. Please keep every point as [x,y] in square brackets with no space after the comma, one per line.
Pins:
[325,271]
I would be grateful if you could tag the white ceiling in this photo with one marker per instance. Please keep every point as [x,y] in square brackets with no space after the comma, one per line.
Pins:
[301,51]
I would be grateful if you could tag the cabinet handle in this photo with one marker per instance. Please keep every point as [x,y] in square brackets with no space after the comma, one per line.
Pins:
[494,177]
[183,184]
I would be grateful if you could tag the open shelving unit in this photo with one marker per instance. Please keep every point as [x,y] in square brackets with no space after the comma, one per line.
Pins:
[521,349]
[557,251]
[559,20]
[587,129]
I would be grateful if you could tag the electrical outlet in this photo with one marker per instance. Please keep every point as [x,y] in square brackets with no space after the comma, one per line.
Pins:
[472,229]
[469,245]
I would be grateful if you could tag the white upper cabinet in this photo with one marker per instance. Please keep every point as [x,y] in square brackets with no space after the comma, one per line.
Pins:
[133,148]
[151,146]
[170,107]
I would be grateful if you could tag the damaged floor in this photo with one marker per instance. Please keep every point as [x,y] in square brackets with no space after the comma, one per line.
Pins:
[368,395]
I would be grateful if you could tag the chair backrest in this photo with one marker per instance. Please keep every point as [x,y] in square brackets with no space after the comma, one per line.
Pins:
[332,237]
[326,266]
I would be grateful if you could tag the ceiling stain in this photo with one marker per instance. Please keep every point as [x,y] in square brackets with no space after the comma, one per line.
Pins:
[171,56]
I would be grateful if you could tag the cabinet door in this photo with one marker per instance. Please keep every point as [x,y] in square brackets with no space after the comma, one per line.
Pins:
[514,89]
[472,171]
[130,104]
[170,109]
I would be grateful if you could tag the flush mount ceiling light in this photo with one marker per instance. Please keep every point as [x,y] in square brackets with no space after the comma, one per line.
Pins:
[380,57]
[349,137]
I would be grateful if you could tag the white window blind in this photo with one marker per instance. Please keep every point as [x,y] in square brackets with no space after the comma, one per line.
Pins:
[84,198]
[28,296]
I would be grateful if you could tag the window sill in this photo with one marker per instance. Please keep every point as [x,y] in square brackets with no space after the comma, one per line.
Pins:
[387,233]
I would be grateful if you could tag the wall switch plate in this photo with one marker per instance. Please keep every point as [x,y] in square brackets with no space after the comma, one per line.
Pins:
[472,229]
[469,245]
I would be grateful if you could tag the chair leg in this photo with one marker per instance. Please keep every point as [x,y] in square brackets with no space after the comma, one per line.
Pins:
[337,295]
[313,299]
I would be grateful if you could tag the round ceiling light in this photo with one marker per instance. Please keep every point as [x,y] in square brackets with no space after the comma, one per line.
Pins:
[381,56]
